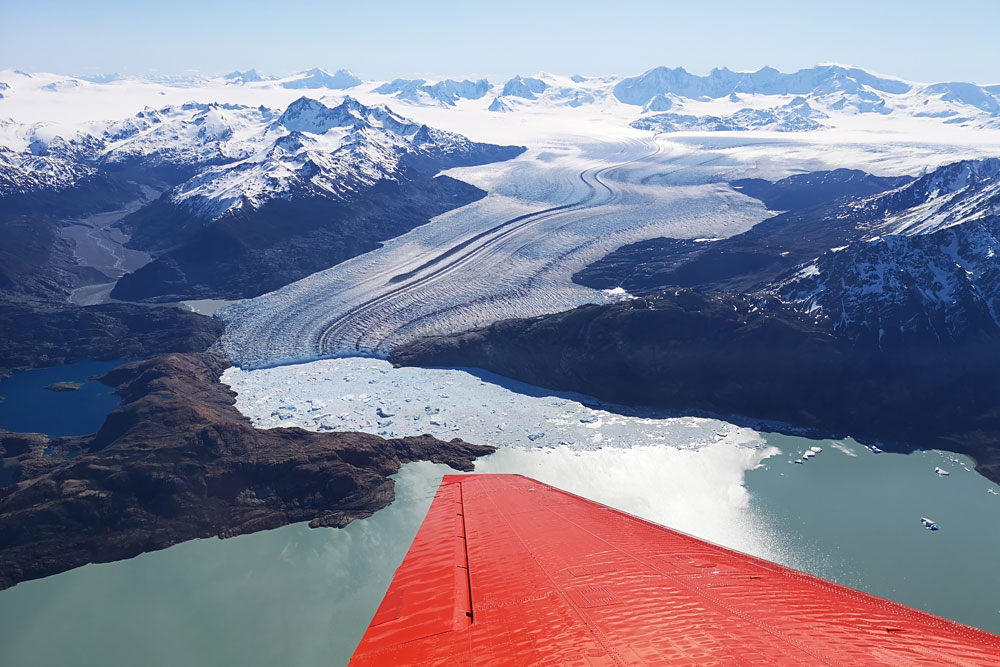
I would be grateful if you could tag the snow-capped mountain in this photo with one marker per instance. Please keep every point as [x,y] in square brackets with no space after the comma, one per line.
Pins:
[102,78]
[23,173]
[925,265]
[526,87]
[827,88]
[328,152]
[957,193]
[445,92]
[723,82]
[319,78]
[720,100]
[256,197]
[236,155]
[969,94]
[249,76]
[522,92]
[181,136]
[796,116]
[190,135]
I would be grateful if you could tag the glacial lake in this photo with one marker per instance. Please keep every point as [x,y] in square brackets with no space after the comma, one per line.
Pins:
[31,408]
[296,596]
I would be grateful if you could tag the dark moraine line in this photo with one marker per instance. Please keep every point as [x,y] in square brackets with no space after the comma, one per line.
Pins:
[502,231]
[506,229]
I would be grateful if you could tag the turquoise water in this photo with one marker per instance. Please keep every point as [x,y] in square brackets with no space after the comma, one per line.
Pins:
[31,408]
[854,517]
[291,596]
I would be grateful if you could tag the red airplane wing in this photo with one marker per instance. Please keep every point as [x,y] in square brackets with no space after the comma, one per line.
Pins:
[509,571]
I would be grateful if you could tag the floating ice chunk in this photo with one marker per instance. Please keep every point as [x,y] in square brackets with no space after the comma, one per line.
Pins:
[285,412]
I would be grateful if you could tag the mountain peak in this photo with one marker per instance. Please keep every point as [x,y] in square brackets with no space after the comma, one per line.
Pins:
[524,86]
[312,116]
[249,76]
[309,115]
[320,78]
[445,92]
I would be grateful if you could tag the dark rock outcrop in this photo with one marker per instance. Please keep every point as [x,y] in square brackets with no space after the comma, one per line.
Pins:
[816,219]
[746,356]
[34,335]
[177,461]
[36,264]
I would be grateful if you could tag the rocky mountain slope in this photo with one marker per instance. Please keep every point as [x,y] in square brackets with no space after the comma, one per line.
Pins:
[922,263]
[814,220]
[34,335]
[881,259]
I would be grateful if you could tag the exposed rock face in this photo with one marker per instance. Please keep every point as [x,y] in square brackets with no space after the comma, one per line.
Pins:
[37,335]
[737,355]
[177,461]
[816,219]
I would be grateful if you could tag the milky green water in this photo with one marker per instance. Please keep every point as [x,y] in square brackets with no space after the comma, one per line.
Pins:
[291,596]
[854,517]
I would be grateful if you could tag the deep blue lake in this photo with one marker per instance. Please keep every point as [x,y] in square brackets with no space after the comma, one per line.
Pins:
[29,407]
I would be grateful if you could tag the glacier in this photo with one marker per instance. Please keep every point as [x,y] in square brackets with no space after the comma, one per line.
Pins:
[548,214]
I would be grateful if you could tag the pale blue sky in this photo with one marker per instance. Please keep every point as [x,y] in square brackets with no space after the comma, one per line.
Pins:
[923,40]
